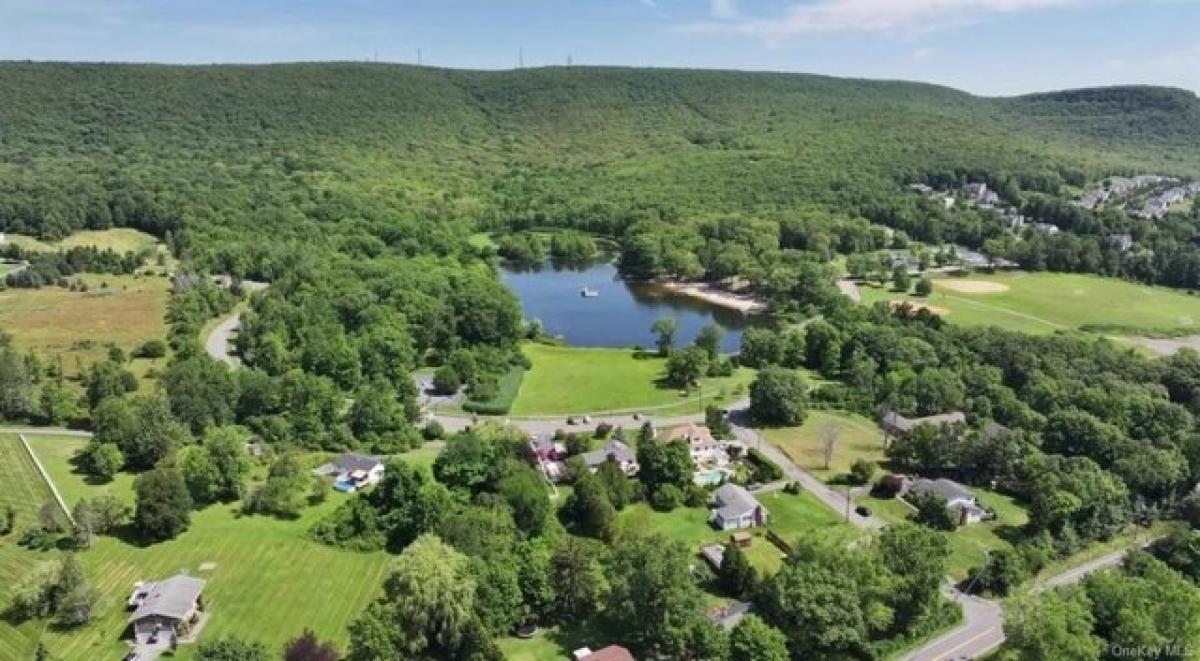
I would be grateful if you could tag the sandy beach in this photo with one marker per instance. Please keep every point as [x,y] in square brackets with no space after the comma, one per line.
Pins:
[713,294]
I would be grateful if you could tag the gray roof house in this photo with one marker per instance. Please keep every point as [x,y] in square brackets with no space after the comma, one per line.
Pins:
[895,424]
[172,605]
[614,451]
[734,508]
[958,498]
[352,471]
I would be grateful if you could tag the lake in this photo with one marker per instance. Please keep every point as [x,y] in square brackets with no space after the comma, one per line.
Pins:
[622,313]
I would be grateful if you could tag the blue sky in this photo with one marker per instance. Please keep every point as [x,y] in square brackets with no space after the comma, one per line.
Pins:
[983,46]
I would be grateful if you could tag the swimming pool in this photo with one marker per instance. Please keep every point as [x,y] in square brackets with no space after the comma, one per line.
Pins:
[710,477]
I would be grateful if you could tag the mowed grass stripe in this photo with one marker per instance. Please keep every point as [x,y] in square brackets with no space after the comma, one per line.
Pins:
[24,489]
[270,581]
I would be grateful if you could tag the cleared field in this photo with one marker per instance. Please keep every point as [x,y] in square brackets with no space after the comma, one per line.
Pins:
[120,239]
[968,544]
[1045,302]
[857,437]
[574,380]
[266,580]
[78,325]
[25,490]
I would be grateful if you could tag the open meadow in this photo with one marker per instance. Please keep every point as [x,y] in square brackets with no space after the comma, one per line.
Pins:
[79,326]
[856,438]
[119,239]
[576,380]
[1046,302]
[266,579]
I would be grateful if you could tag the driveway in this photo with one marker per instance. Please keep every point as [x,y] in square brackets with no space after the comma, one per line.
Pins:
[219,343]
[981,631]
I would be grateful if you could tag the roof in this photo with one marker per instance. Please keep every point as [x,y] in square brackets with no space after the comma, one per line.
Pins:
[173,598]
[691,432]
[616,449]
[351,462]
[714,554]
[947,489]
[899,422]
[610,653]
[734,501]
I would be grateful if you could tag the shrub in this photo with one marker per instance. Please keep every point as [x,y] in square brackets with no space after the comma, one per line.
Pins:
[666,498]
[863,470]
[763,469]
[695,496]
[501,395]
[446,380]
[433,431]
[151,349]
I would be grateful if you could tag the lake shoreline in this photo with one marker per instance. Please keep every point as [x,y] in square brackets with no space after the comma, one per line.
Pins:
[711,294]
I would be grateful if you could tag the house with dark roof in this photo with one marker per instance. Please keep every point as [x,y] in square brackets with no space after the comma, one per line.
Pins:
[612,451]
[352,471]
[735,508]
[171,606]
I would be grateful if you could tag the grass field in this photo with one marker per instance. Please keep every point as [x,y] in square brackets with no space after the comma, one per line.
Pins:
[1045,302]
[266,579]
[858,437]
[790,515]
[119,239]
[574,380]
[24,489]
[968,544]
[78,326]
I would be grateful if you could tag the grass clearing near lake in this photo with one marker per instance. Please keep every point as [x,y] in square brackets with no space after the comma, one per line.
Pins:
[1046,302]
[267,580]
[567,380]
[857,437]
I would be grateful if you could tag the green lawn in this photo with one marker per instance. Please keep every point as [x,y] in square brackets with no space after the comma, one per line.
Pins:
[576,380]
[24,489]
[968,544]
[790,515]
[1045,302]
[266,580]
[120,239]
[857,437]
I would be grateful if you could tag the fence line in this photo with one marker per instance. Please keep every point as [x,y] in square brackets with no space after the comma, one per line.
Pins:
[46,476]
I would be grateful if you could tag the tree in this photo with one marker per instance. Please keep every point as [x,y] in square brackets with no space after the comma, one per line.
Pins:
[778,396]
[446,380]
[655,600]
[661,464]
[665,328]
[73,596]
[57,404]
[103,460]
[735,576]
[1053,626]
[378,419]
[924,287]
[16,384]
[916,558]
[577,572]
[284,492]
[427,609]
[685,368]
[760,347]
[226,450]
[107,379]
[524,491]
[709,340]
[307,647]
[863,470]
[202,391]
[589,509]
[754,639]
[163,505]
[932,511]
[830,432]
[620,489]
[155,434]
[198,472]
[1002,570]
[231,649]
[901,281]
[468,462]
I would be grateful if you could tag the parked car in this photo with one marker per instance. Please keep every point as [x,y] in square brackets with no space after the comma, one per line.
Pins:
[570,420]
[862,511]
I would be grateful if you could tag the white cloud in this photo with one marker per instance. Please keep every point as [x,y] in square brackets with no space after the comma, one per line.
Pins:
[873,16]
[725,9]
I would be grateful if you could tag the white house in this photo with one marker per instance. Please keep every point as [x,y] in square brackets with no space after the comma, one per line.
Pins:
[735,508]
[705,449]
[353,471]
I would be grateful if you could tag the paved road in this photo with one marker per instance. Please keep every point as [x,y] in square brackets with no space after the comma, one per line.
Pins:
[219,343]
[981,631]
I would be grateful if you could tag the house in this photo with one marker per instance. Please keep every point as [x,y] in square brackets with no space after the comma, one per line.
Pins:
[704,448]
[924,189]
[958,498]
[353,471]
[1122,242]
[548,449]
[171,606]
[975,190]
[895,425]
[1044,228]
[613,451]
[736,508]
[610,653]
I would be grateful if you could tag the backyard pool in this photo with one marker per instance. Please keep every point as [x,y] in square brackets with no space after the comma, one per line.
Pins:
[710,477]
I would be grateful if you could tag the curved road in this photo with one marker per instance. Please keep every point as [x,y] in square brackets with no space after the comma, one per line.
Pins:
[219,343]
